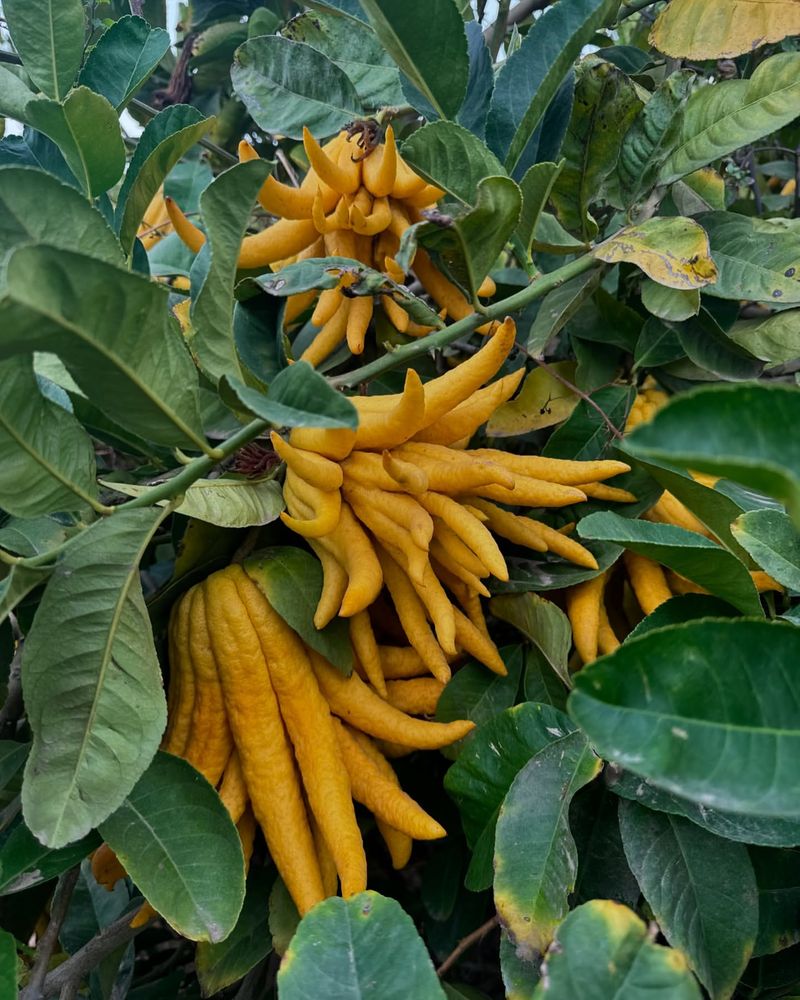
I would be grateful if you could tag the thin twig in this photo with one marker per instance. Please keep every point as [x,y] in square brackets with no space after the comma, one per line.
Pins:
[78,966]
[499,28]
[137,7]
[580,394]
[285,162]
[753,171]
[634,7]
[465,943]
[13,706]
[796,202]
[48,940]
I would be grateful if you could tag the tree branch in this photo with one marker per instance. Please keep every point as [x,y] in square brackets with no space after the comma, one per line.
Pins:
[523,9]
[47,942]
[467,942]
[137,7]
[12,708]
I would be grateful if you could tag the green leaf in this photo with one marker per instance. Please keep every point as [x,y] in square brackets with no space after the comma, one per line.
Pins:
[540,683]
[195,882]
[707,346]
[586,436]
[674,304]
[773,542]
[686,552]
[775,339]
[104,668]
[226,205]
[543,623]
[471,244]
[416,35]
[29,201]
[603,870]
[229,503]
[48,35]
[658,343]
[163,142]
[556,310]
[650,711]
[756,258]
[542,400]
[123,59]
[604,950]
[653,135]
[452,158]
[224,963]
[17,584]
[477,694]
[733,113]
[672,251]
[519,977]
[286,85]
[685,874]
[12,757]
[530,78]
[112,330]
[605,104]
[85,128]
[485,769]
[355,49]
[770,831]
[8,966]
[744,437]
[362,948]
[535,857]
[683,608]
[778,878]
[547,572]
[536,185]
[298,397]
[46,457]
[14,95]
[24,862]
[291,580]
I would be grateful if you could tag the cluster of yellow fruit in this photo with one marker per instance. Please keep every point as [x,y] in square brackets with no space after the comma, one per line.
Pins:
[401,502]
[649,583]
[356,201]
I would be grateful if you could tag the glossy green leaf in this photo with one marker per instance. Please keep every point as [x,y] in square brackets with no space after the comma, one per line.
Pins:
[472,114]
[291,580]
[540,683]
[14,94]
[224,963]
[775,339]
[686,875]
[24,862]
[12,757]
[556,310]
[481,777]
[604,950]
[112,330]
[706,346]
[48,35]
[46,457]
[719,119]
[18,582]
[298,397]
[543,623]
[605,104]
[771,539]
[674,304]
[686,552]
[8,966]
[477,694]
[778,877]
[355,49]
[542,573]
[416,35]
[229,503]
[586,435]
[744,437]
[123,59]
[770,831]
[536,185]
[29,201]
[165,139]
[603,870]
[658,343]
[530,78]
[653,135]
[756,258]
[683,608]
[362,948]
[452,158]
[551,237]
[535,857]
[471,244]
[650,710]
[104,667]
[85,128]
[226,205]
[286,85]
[195,882]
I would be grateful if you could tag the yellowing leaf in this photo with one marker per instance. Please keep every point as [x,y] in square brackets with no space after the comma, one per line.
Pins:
[673,252]
[541,402]
[717,29]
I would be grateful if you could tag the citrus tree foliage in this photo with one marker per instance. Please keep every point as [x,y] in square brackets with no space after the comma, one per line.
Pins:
[620,178]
